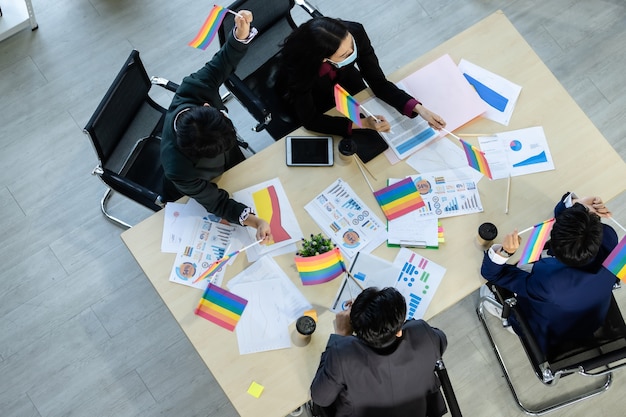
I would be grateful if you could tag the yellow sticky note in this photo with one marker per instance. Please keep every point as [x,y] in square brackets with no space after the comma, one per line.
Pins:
[312,314]
[255,389]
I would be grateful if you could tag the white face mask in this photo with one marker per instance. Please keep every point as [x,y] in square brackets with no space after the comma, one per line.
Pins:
[349,59]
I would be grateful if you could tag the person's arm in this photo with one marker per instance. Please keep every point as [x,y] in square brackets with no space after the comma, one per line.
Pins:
[495,269]
[313,118]
[327,383]
[593,203]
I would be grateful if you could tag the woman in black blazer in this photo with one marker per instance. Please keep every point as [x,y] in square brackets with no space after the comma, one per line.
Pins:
[323,52]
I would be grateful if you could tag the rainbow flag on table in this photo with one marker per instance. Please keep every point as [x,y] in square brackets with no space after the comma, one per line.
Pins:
[209,28]
[347,105]
[320,268]
[476,159]
[536,241]
[399,199]
[221,307]
[616,262]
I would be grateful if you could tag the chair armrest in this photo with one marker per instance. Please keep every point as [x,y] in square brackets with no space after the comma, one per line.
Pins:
[309,9]
[247,98]
[132,190]
[165,83]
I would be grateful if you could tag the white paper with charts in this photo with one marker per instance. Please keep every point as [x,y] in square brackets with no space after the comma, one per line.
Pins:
[369,271]
[418,281]
[207,243]
[270,203]
[343,217]
[448,193]
[518,152]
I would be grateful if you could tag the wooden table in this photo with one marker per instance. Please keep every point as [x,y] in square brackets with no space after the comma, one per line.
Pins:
[584,162]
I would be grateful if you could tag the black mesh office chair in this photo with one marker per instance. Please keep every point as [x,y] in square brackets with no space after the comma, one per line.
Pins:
[596,357]
[254,80]
[124,131]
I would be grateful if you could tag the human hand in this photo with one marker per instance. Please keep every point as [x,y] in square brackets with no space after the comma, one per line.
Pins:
[594,205]
[242,24]
[377,123]
[511,242]
[434,120]
[343,326]
[264,232]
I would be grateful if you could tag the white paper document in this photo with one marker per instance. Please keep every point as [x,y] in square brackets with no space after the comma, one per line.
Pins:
[343,217]
[418,281]
[499,93]
[407,135]
[273,303]
[518,152]
[270,202]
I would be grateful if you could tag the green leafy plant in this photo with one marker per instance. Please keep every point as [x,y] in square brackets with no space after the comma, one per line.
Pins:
[315,245]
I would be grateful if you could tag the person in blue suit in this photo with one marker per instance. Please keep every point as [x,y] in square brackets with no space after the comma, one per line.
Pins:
[566,294]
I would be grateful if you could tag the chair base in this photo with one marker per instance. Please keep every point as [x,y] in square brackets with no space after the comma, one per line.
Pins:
[103,207]
[527,408]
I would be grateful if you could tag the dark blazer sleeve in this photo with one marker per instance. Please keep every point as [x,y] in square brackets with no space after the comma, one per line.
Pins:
[506,276]
[372,73]
[327,383]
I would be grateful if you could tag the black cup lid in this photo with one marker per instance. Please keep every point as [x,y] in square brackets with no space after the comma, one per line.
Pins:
[488,231]
[305,325]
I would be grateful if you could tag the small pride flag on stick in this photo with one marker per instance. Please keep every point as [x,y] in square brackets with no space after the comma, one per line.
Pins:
[215,266]
[221,307]
[209,28]
[321,268]
[398,199]
[347,105]
[538,237]
[476,159]
[616,262]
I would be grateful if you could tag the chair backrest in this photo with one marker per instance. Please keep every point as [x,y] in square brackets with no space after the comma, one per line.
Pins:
[124,114]
[273,20]
[607,346]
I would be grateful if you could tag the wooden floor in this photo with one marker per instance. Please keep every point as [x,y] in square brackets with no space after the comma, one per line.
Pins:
[82,332]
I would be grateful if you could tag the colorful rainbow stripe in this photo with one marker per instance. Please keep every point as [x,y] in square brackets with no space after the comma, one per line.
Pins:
[209,28]
[320,268]
[399,199]
[212,269]
[536,241]
[347,105]
[476,159]
[221,307]
[616,262]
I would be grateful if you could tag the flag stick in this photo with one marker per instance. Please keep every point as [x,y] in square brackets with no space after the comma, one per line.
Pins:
[450,133]
[362,172]
[476,135]
[508,194]
[369,113]
[617,223]
[355,280]
[532,227]
[230,255]
[235,13]
[365,166]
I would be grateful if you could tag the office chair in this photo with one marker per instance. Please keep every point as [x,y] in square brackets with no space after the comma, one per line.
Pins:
[125,132]
[254,80]
[597,357]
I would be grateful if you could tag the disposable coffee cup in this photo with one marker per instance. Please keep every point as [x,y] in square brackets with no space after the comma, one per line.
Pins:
[347,148]
[305,326]
[487,232]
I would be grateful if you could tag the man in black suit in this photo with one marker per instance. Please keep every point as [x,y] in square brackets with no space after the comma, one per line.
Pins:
[379,365]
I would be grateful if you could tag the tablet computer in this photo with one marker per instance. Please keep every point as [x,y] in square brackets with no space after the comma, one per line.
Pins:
[309,151]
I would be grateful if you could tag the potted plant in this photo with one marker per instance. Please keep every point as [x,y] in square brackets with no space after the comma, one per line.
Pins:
[318,260]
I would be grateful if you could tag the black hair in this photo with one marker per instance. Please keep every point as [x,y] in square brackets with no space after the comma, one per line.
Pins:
[576,236]
[378,315]
[306,47]
[204,132]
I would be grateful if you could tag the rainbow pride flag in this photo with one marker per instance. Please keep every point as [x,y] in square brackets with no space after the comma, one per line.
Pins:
[536,241]
[616,262]
[322,268]
[476,159]
[399,199]
[212,269]
[347,105]
[221,307]
[209,28]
